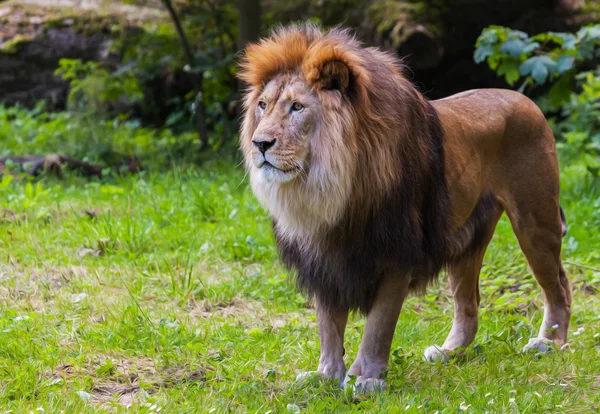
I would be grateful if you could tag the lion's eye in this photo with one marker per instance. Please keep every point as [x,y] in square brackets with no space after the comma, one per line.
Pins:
[297,106]
[262,104]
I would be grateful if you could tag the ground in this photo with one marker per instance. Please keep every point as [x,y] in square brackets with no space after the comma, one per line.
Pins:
[163,292]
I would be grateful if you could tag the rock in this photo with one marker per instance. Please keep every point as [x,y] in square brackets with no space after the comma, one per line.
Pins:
[36,34]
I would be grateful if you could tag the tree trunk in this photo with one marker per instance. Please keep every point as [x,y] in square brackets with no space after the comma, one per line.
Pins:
[197,77]
[249,21]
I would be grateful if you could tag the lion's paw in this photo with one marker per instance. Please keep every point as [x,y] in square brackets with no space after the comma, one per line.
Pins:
[542,345]
[436,353]
[310,376]
[365,386]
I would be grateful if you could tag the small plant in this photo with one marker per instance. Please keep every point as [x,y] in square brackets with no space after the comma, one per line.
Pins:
[581,125]
[94,88]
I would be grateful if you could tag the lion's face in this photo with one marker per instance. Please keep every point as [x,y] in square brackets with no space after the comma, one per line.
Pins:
[298,152]
[287,115]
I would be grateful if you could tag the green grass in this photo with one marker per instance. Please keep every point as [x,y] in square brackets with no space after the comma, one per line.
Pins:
[164,292]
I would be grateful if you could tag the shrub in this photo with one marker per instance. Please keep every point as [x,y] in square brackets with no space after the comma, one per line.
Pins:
[37,132]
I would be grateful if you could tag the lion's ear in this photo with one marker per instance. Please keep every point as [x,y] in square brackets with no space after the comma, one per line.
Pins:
[329,75]
[334,75]
[331,64]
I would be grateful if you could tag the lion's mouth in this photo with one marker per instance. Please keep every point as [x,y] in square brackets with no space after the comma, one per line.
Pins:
[267,165]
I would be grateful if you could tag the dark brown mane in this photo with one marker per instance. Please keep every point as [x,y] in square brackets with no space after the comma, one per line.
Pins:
[404,231]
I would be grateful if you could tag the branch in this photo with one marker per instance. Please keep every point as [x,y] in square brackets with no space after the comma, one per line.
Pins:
[182,38]
[197,79]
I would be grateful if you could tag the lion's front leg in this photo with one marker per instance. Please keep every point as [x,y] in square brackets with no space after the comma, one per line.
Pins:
[332,325]
[374,351]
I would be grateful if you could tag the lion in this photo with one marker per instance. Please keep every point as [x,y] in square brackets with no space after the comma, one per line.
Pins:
[373,189]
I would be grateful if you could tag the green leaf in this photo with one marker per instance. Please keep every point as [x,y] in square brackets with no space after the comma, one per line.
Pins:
[488,36]
[6,180]
[514,47]
[494,62]
[510,70]
[29,190]
[531,47]
[561,91]
[527,66]
[105,369]
[586,51]
[482,52]
[542,37]
[565,63]
[589,32]
[539,73]
[540,68]
[518,34]
[569,40]
[255,331]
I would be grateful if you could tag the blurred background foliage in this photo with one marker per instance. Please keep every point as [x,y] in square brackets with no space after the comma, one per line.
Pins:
[100,79]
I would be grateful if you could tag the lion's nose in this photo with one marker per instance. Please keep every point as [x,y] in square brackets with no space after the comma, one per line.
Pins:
[263,144]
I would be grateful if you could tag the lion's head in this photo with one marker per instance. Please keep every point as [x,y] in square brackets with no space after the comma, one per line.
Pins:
[313,126]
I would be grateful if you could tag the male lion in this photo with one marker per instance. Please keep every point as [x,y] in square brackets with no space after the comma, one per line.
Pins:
[373,189]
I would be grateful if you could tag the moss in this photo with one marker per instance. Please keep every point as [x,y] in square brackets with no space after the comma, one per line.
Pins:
[56,23]
[15,44]
[86,23]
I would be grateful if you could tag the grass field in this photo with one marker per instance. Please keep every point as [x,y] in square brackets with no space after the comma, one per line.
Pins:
[163,292]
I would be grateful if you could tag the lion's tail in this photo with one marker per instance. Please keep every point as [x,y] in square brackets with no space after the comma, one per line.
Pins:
[563,220]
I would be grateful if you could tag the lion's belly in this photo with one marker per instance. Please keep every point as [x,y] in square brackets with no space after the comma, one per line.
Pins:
[467,179]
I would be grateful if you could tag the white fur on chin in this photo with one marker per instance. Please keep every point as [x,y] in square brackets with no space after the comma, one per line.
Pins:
[300,205]
[268,174]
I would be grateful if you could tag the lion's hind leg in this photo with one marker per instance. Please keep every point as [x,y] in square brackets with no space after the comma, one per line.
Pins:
[463,278]
[540,234]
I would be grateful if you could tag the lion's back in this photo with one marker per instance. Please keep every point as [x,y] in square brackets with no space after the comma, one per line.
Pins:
[490,105]
[490,118]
